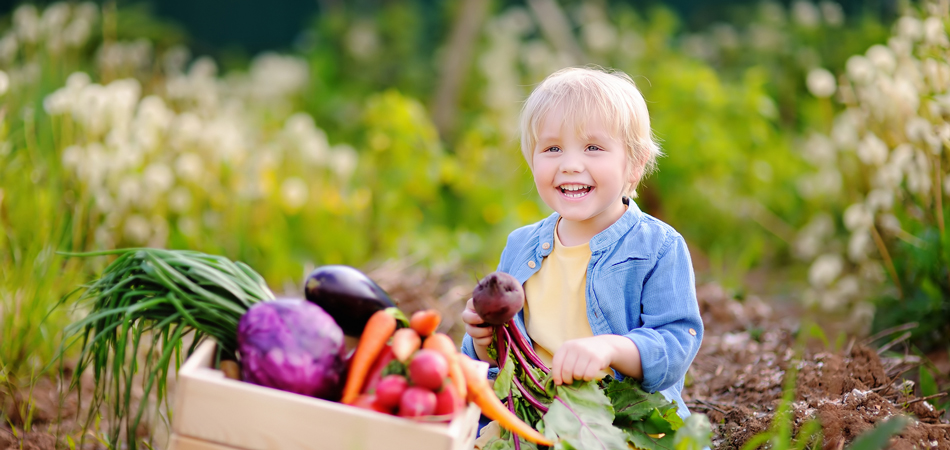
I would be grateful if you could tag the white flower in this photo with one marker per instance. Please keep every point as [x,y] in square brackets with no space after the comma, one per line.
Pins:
[890,223]
[294,193]
[599,36]
[129,191]
[821,83]
[872,150]
[4,82]
[725,35]
[805,13]
[54,18]
[934,32]
[921,130]
[860,69]
[187,226]
[848,286]
[344,160]
[8,48]
[189,166]
[888,176]
[882,57]
[274,76]
[72,158]
[767,108]
[832,13]
[858,217]
[362,41]
[819,150]
[179,200]
[158,177]
[860,245]
[880,199]
[137,229]
[825,270]
[77,33]
[26,23]
[910,27]
[811,237]
[844,132]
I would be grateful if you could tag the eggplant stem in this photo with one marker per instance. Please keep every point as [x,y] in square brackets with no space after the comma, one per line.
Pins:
[525,346]
[525,366]
[530,398]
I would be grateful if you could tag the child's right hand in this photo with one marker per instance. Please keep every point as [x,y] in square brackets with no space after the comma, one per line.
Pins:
[481,335]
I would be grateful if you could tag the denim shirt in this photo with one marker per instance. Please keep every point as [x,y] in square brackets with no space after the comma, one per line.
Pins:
[640,285]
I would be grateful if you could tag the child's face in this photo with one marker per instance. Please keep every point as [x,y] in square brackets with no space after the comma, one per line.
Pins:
[583,179]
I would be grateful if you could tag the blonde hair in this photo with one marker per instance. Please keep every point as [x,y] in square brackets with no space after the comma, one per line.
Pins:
[587,92]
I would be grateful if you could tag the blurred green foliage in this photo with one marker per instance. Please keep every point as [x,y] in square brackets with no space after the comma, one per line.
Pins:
[334,154]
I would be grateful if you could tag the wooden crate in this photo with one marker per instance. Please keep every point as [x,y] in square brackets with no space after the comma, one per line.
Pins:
[216,413]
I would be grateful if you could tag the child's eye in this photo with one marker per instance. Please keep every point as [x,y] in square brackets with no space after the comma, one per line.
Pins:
[593,148]
[552,149]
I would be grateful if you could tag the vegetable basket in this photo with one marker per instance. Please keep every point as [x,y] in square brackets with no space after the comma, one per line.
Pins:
[213,412]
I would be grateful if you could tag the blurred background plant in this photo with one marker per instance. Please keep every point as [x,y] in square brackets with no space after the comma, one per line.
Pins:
[804,140]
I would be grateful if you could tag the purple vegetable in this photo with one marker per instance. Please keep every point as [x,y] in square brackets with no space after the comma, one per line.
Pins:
[347,294]
[292,345]
[497,298]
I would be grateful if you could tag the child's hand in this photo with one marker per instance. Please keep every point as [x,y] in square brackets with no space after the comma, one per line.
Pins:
[581,359]
[481,335]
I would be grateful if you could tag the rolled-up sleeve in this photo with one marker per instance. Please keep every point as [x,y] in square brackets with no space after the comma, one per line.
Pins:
[672,328]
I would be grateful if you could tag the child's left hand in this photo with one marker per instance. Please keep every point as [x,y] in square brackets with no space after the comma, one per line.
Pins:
[581,359]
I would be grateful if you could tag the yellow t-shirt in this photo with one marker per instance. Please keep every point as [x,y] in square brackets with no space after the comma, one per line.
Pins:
[555,299]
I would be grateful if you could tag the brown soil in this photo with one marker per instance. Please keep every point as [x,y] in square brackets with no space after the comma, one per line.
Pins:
[748,354]
[750,351]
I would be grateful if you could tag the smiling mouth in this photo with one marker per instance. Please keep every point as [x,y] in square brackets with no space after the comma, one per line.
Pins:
[575,190]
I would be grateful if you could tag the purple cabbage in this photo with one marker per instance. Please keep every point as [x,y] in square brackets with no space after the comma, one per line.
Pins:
[292,345]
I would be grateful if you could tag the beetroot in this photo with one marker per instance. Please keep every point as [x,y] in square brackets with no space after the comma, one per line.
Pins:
[428,369]
[497,298]
[417,401]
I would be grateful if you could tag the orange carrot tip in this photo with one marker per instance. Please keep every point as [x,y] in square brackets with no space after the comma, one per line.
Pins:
[425,321]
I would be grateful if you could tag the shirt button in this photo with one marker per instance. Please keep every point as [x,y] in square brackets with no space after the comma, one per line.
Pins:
[692,331]
[545,246]
[532,265]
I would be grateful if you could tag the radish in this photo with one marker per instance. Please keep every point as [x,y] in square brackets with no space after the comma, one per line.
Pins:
[416,401]
[497,298]
[390,389]
[428,369]
[447,401]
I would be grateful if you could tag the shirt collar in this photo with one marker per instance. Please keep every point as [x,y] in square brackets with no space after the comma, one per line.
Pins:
[601,240]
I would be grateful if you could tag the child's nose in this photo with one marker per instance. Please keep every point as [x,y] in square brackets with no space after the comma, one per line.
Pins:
[571,163]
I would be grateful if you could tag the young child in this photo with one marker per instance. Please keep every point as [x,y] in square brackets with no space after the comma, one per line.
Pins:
[607,286]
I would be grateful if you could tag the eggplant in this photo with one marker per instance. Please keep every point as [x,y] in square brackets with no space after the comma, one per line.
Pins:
[347,295]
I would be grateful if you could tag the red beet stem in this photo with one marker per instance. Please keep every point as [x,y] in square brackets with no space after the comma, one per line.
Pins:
[529,397]
[525,346]
[527,367]
[511,407]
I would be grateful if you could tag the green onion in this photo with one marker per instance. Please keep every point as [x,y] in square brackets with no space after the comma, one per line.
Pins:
[162,295]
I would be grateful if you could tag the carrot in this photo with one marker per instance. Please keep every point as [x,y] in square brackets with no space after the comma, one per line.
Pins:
[482,394]
[405,342]
[379,328]
[425,321]
[443,344]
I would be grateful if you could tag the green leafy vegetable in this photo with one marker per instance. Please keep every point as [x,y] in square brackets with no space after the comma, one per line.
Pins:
[581,417]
